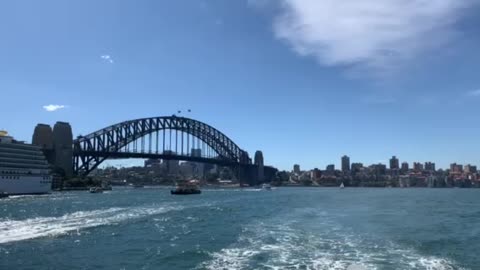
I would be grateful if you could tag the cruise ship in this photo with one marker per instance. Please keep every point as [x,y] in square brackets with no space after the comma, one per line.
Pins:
[23,168]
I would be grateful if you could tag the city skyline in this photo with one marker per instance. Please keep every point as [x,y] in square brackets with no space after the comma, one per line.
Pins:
[340,166]
[306,96]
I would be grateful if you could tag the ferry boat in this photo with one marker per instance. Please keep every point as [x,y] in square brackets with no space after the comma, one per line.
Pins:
[23,168]
[186,188]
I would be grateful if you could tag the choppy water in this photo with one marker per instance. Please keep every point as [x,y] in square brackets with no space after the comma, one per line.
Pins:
[288,228]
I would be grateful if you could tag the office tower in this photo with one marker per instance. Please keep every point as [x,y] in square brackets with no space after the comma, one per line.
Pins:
[296,169]
[345,164]
[394,163]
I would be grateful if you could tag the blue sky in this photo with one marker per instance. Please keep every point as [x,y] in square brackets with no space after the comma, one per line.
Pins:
[304,81]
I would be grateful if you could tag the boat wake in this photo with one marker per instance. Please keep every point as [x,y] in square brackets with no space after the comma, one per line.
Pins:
[18,230]
[262,246]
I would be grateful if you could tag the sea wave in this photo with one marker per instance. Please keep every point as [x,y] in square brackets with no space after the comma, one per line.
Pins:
[18,230]
[262,246]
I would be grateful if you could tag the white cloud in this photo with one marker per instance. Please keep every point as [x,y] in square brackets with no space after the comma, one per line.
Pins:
[107,58]
[474,93]
[372,34]
[52,107]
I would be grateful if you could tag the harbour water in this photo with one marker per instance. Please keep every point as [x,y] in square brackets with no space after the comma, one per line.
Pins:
[287,228]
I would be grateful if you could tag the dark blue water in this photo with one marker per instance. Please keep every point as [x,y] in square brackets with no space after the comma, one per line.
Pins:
[287,228]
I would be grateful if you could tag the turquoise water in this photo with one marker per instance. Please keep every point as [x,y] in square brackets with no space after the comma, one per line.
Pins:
[287,228]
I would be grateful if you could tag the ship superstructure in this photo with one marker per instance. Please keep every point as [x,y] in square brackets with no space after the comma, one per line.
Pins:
[23,168]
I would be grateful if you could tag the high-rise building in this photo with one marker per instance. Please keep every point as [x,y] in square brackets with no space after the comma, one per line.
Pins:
[296,169]
[345,164]
[394,163]
[430,166]
[417,166]
[404,167]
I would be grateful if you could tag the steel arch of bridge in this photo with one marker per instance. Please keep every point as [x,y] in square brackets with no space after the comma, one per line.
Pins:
[91,150]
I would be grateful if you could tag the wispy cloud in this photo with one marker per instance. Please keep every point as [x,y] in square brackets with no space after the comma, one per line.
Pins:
[107,58]
[474,93]
[376,35]
[53,107]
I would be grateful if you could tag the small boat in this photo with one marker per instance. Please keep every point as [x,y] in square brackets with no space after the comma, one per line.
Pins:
[3,194]
[96,190]
[266,187]
[187,188]
[342,185]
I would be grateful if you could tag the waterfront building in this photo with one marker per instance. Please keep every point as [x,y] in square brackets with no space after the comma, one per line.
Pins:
[379,169]
[456,168]
[405,167]
[394,163]
[315,174]
[356,167]
[430,166]
[417,166]
[296,169]
[470,169]
[345,164]
[330,168]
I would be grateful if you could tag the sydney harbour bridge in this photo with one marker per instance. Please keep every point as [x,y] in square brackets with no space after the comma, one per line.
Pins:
[166,138]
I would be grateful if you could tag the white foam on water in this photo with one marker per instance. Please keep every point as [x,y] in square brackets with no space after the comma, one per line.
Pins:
[275,247]
[18,230]
[231,259]
[432,263]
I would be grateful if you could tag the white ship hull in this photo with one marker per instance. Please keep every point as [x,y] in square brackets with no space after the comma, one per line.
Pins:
[26,185]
